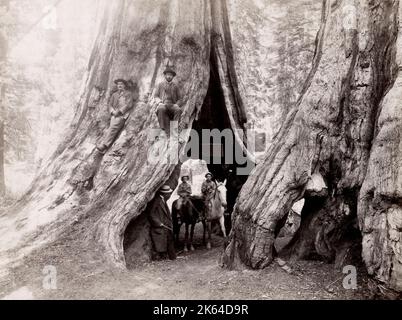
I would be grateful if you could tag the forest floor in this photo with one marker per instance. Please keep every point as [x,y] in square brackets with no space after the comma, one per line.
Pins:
[194,275]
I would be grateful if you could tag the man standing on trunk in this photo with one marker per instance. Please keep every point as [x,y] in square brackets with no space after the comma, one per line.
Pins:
[120,104]
[168,98]
[162,225]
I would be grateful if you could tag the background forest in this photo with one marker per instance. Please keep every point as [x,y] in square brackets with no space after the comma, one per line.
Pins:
[45,49]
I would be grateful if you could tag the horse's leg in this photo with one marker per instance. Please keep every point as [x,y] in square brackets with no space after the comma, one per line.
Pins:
[209,234]
[191,236]
[222,223]
[177,233]
[186,239]
[176,225]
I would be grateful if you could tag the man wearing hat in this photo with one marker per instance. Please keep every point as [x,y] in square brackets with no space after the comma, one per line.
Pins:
[162,225]
[184,191]
[120,104]
[208,189]
[168,98]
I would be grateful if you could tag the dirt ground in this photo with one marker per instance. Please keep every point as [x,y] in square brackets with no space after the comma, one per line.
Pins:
[194,275]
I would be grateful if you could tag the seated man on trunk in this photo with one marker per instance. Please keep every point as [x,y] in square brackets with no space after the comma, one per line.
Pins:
[120,105]
[168,98]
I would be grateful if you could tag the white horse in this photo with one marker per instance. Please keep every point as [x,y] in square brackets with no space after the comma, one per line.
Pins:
[218,205]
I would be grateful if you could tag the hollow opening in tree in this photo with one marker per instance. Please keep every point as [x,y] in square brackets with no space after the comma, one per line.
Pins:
[291,225]
[328,230]
[223,156]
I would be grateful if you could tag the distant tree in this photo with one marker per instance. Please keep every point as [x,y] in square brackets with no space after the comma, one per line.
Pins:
[14,121]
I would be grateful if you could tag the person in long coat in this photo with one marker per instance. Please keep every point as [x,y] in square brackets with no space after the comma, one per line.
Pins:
[162,225]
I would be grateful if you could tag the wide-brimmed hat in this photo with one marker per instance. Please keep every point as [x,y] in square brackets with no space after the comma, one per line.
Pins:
[165,189]
[185,176]
[169,69]
[209,174]
[121,80]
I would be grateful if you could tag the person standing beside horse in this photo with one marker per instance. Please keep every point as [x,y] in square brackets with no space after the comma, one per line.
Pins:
[162,225]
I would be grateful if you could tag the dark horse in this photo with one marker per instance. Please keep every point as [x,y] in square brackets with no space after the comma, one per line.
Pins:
[189,214]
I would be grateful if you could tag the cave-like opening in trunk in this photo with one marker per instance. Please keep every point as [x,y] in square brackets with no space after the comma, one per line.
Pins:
[328,230]
[212,116]
[226,156]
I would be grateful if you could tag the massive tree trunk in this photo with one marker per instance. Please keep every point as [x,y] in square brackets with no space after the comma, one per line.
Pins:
[380,205]
[91,198]
[334,128]
[2,142]
[3,60]
[342,131]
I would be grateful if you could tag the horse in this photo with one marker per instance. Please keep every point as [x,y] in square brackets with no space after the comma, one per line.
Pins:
[218,205]
[188,214]
[193,211]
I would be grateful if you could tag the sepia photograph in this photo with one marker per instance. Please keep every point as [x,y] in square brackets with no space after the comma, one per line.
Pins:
[225,151]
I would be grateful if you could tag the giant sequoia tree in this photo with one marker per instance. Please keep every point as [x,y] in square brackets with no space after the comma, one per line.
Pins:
[343,130]
[343,127]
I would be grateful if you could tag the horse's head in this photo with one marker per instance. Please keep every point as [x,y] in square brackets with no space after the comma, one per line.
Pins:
[222,193]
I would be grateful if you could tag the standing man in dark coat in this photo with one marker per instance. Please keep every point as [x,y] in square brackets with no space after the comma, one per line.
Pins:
[168,98]
[162,225]
[120,104]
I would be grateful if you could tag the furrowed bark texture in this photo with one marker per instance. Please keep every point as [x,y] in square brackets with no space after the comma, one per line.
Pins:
[91,198]
[329,133]
[380,198]
[95,196]
[318,77]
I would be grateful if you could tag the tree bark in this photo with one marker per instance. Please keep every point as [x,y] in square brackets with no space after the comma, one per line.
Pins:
[2,146]
[333,129]
[331,132]
[380,205]
[91,198]
[3,60]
